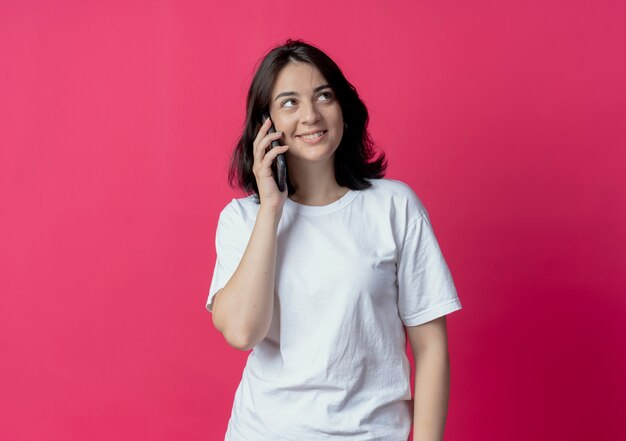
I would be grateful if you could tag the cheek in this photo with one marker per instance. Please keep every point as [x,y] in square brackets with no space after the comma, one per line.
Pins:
[284,124]
[337,117]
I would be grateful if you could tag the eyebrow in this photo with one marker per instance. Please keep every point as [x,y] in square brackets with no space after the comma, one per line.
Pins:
[317,89]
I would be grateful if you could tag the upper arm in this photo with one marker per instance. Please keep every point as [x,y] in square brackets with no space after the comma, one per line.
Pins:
[426,290]
[214,313]
[429,335]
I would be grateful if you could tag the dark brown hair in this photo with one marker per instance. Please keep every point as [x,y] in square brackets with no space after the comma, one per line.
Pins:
[353,157]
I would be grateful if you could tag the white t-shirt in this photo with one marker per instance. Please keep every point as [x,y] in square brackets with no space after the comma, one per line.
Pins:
[349,276]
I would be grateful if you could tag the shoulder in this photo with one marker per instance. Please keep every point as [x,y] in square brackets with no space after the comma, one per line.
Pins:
[240,211]
[399,196]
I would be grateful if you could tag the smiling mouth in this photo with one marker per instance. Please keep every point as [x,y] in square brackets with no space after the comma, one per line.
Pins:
[313,135]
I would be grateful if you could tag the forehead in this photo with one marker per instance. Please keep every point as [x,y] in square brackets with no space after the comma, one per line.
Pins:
[297,77]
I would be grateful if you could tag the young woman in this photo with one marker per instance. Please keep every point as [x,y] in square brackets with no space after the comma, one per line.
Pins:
[323,279]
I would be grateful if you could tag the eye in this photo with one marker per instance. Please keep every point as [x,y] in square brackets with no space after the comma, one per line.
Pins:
[328,94]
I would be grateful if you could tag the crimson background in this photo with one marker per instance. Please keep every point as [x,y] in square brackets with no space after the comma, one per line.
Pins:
[116,122]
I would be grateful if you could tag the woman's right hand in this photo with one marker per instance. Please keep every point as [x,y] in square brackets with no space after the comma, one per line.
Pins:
[269,193]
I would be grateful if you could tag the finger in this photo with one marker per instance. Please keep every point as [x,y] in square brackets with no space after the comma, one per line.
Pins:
[263,130]
[259,136]
[260,149]
[269,156]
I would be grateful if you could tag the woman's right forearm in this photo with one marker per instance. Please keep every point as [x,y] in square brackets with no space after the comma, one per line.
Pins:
[243,312]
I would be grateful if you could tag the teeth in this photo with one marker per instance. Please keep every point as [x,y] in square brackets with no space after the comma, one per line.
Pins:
[313,135]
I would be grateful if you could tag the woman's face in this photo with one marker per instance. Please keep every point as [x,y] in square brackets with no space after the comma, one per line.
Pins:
[302,104]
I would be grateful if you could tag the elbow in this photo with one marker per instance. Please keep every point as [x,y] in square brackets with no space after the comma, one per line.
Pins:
[238,342]
[243,340]
[233,335]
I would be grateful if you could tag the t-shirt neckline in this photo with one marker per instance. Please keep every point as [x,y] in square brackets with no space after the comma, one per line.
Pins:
[322,209]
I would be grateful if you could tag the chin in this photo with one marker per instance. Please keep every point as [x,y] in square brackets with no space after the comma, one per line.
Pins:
[310,156]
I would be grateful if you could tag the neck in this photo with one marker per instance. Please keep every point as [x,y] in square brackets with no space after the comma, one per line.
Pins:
[315,183]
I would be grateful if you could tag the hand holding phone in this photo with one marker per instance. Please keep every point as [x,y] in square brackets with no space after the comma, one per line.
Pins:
[279,164]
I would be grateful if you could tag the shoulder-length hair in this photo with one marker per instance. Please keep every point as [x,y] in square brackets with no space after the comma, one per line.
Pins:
[354,163]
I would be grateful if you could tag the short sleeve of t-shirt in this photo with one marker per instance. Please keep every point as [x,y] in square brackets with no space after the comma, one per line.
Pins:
[230,243]
[426,290]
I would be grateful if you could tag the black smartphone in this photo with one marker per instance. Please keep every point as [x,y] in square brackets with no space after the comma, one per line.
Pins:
[279,164]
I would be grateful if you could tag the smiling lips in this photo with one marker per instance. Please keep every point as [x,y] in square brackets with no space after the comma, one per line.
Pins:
[313,138]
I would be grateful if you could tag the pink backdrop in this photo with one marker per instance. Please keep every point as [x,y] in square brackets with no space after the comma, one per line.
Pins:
[116,123]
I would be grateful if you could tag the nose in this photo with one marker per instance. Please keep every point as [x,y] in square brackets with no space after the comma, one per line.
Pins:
[310,114]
